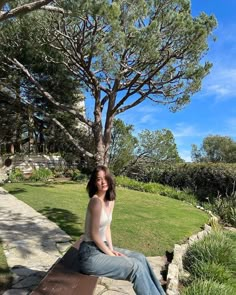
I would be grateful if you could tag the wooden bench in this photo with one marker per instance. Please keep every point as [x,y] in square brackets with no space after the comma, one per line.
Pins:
[63,279]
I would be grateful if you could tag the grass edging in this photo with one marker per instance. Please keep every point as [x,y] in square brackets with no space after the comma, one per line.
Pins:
[175,268]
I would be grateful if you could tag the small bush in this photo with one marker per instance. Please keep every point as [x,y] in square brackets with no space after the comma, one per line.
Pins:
[41,174]
[58,172]
[78,176]
[16,175]
[68,173]
[225,208]
[207,287]
[215,248]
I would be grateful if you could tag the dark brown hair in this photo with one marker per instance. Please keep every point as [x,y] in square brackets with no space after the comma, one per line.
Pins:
[92,188]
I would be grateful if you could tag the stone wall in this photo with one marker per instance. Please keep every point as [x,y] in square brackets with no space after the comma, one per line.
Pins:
[27,163]
[175,268]
[35,161]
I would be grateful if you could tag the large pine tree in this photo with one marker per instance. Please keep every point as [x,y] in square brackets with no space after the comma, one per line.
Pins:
[122,53]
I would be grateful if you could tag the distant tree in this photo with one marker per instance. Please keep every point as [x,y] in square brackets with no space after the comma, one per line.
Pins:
[17,94]
[122,146]
[13,121]
[123,52]
[215,148]
[158,146]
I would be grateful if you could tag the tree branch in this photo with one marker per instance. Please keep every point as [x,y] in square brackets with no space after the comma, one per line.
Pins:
[53,9]
[48,96]
[23,9]
[135,103]
[70,137]
[141,84]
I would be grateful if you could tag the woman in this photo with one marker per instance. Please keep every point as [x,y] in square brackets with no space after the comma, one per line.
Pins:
[97,255]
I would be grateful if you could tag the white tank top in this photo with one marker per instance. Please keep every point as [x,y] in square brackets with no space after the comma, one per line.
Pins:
[105,220]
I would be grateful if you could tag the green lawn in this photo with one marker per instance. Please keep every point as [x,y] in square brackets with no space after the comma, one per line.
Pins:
[142,221]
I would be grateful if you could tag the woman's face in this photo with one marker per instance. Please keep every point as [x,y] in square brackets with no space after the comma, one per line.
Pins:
[101,182]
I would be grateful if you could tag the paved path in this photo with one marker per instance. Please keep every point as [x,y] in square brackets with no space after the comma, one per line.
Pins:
[32,244]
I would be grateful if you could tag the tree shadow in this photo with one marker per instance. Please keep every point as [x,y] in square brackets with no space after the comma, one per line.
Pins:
[51,184]
[65,219]
[40,184]
[29,238]
[15,191]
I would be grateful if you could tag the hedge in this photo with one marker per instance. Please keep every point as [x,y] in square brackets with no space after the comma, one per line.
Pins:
[206,180]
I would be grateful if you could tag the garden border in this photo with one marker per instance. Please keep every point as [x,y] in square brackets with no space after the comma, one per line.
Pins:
[175,268]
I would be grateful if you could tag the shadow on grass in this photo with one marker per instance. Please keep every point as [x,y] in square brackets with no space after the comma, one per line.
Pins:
[65,219]
[51,184]
[16,191]
[40,184]
[4,271]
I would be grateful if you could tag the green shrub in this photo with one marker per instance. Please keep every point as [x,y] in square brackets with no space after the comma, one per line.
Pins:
[212,259]
[156,188]
[58,172]
[68,173]
[225,208]
[41,174]
[16,175]
[203,179]
[78,176]
[215,248]
[207,181]
[207,287]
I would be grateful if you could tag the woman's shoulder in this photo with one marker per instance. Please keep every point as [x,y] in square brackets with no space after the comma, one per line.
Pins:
[95,203]
[112,203]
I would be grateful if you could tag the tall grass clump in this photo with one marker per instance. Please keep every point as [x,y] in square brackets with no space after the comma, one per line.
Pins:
[216,248]
[207,287]
[225,207]
[213,259]
[211,271]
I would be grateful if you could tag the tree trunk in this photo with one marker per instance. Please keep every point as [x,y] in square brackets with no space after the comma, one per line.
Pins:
[98,135]
[103,141]
[99,144]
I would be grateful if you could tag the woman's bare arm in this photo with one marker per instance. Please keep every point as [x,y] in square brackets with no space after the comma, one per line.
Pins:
[108,230]
[95,208]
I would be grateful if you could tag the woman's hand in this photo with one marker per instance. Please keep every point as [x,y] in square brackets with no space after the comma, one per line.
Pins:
[116,253]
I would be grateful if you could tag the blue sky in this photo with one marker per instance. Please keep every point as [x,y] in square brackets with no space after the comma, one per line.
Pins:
[213,109]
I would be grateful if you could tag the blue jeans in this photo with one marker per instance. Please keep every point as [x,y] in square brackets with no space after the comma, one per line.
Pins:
[133,267]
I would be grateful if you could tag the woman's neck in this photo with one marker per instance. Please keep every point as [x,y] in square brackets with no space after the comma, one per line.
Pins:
[101,196]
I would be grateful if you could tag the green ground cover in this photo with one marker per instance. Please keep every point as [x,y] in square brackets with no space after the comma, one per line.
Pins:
[211,264]
[145,222]
[5,276]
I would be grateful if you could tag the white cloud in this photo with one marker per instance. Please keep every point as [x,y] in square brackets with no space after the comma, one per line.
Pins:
[146,118]
[149,108]
[183,131]
[185,155]
[220,83]
[186,130]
